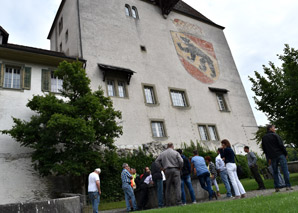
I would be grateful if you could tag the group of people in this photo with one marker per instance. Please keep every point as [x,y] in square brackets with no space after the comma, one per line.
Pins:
[171,171]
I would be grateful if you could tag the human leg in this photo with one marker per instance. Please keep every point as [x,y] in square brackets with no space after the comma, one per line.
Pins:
[127,198]
[285,170]
[177,185]
[231,169]
[255,172]
[159,184]
[224,178]
[95,199]
[208,184]
[169,180]
[189,186]
[274,164]
[182,191]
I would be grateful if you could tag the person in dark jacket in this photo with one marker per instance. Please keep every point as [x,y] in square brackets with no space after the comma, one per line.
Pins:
[145,180]
[158,182]
[185,178]
[276,153]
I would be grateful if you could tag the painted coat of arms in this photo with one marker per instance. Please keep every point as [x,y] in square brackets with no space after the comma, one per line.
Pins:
[197,56]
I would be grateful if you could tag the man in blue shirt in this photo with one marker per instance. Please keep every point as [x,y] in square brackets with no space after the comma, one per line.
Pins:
[203,174]
[128,191]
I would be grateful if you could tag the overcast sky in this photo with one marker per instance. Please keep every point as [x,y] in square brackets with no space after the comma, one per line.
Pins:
[255,30]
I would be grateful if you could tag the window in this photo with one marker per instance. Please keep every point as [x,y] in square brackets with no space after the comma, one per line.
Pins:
[208,132]
[61,47]
[143,48]
[66,36]
[221,102]
[50,82]
[60,25]
[15,76]
[134,12]
[158,130]
[116,88]
[127,10]
[149,94]
[178,98]
[56,83]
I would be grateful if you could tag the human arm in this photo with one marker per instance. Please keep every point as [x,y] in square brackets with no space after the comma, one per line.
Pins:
[98,187]
[254,159]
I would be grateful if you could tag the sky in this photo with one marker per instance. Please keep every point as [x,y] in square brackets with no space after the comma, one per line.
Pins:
[255,30]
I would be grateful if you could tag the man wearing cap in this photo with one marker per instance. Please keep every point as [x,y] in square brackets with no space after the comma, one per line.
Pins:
[94,189]
[128,191]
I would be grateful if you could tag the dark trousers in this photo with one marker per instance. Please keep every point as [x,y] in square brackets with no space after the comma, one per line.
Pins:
[143,196]
[173,181]
[255,172]
[205,183]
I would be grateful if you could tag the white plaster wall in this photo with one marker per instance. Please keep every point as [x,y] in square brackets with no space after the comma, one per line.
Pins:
[110,37]
[19,182]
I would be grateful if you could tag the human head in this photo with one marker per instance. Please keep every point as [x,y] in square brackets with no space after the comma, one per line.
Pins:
[246,149]
[195,152]
[271,128]
[180,151]
[225,143]
[147,169]
[208,159]
[98,171]
[125,166]
[170,145]
[219,150]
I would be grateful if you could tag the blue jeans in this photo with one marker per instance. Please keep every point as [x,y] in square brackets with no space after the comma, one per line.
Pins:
[225,180]
[129,195]
[206,183]
[159,185]
[284,166]
[95,199]
[186,179]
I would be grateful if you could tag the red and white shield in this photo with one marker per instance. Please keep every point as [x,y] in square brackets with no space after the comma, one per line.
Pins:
[197,57]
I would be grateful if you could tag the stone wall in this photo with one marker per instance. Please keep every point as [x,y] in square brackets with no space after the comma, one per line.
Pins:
[65,205]
[293,166]
[152,194]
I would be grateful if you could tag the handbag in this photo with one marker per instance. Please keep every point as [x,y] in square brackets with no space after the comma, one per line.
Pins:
[240,172]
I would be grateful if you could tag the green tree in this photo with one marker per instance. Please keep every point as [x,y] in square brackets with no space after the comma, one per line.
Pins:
[69,132]
[277,94]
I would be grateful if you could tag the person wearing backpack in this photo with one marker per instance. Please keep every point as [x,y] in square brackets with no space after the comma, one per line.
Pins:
[185,178]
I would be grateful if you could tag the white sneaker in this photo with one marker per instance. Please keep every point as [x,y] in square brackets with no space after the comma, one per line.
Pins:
[194,202]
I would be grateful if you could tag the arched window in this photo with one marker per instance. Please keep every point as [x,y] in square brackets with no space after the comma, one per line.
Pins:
[135,12]
[127,10]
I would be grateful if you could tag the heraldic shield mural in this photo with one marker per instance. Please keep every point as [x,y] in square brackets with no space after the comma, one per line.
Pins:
[197,57]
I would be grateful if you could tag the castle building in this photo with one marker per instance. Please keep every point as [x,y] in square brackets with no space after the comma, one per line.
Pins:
[167,68]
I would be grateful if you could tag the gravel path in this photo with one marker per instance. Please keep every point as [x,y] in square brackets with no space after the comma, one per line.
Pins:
[249,194]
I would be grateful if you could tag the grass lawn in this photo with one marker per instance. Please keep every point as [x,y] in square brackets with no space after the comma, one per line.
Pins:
[248,184]
[280,202]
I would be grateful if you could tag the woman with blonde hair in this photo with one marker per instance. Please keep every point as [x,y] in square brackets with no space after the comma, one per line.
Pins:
[228,157]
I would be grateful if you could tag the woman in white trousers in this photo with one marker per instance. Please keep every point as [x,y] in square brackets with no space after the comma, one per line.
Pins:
[229,158]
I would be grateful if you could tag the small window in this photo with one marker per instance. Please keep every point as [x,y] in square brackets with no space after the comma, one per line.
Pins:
[127,10]
[208,132]
[111,88]
[143,48]
[134,12]
[221,102]
[56,83]
[116,88]
[61,47]
[149,93]
[66,36]
[158,130]
[203,133]
[60,25]
[15,76]
[178,98]
[12,77]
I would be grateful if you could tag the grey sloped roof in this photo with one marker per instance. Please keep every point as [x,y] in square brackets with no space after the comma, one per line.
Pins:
[187,10]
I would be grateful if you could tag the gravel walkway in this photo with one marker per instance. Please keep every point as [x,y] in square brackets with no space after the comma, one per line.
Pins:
[249,194]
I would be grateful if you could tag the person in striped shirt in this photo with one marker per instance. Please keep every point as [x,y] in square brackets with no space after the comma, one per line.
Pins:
[128,191]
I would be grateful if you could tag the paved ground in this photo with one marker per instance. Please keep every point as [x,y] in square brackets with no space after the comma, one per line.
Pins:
[249,194]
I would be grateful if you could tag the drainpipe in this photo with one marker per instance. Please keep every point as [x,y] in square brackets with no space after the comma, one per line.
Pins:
[80,34]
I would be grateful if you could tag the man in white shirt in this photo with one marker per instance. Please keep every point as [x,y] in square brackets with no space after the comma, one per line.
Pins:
[94,191]
[220,166]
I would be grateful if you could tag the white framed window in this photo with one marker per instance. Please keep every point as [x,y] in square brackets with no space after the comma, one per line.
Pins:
[12,77]
[221,102]
[134,12]
[158,130]
[149,93]
[127,10]
[56,83]
[203,133]
[116,88]
[208,132]
[178,98]
[15,76]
